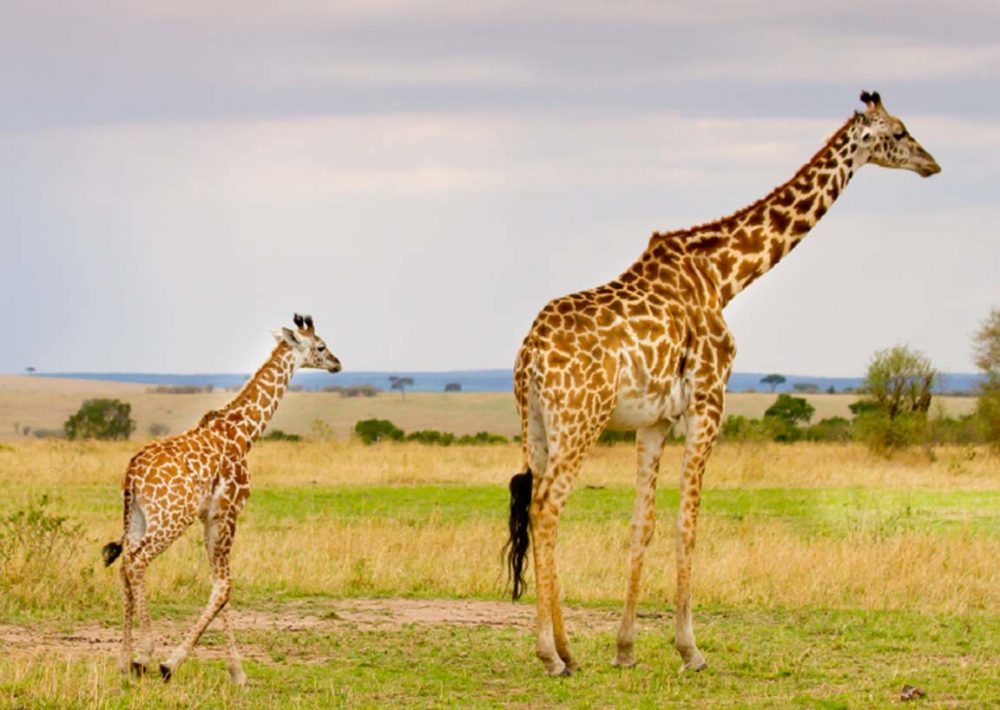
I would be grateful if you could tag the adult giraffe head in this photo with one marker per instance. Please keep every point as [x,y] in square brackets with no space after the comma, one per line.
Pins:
[310,349]
[884,140]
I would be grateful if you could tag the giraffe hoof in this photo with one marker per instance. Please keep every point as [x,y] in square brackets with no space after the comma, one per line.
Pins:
[138,669]
[623,662]
[696,663]
[565,672]
[165,672]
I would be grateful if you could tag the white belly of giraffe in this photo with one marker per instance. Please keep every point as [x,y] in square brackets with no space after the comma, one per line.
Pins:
[637,409]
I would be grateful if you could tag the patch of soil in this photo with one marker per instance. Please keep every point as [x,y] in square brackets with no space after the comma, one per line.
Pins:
[316,615]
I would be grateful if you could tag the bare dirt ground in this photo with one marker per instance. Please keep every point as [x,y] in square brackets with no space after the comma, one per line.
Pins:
[319,616]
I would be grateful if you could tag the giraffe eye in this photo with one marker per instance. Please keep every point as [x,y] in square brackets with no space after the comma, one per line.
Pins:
[899,135]
[321,348]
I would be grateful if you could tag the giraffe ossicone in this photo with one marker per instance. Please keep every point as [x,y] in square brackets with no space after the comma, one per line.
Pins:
[202,473]
[651,348]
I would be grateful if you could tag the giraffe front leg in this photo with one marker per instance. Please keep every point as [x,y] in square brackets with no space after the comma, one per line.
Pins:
[234,661]
[703,427]
[649,449]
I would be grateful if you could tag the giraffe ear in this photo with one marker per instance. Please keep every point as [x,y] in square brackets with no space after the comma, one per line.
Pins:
[287,335]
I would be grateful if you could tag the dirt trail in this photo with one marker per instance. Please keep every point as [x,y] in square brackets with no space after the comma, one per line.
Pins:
[329,615]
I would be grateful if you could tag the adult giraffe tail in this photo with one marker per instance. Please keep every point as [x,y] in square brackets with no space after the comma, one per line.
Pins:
[520,530]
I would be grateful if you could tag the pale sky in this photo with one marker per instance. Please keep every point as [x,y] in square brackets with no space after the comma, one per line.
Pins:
[177,178]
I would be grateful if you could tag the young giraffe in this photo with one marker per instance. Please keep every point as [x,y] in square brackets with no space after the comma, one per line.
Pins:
[643,351]
[202,473]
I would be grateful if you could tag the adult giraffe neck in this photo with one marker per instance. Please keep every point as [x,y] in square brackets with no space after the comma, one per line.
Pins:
[738,249]
[245,417]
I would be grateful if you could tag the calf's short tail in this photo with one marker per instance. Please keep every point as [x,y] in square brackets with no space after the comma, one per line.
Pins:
[111,552]
[520,531]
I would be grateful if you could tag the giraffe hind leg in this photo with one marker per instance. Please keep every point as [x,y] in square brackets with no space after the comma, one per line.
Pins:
[156,539]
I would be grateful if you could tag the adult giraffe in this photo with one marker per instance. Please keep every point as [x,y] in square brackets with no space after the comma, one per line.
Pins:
[650,347]
[202,473]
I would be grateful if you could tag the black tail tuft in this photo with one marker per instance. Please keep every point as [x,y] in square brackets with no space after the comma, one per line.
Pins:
[110,552]
[520,530]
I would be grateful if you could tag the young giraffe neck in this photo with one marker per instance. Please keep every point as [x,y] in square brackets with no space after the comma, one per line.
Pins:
[243,420]
[744,246]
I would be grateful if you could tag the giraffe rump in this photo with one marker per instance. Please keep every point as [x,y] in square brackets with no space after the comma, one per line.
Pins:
[520,538]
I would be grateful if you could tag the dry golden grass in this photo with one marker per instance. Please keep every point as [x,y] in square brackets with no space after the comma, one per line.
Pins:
[753,560]
[46,403]
[753,465]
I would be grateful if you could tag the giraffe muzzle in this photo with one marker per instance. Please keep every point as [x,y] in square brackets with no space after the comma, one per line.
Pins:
[928,166]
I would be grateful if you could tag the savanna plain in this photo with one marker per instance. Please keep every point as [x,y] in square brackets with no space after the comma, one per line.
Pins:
[825,575]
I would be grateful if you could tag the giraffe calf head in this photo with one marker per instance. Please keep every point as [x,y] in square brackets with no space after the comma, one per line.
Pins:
[308,347]
[885,141]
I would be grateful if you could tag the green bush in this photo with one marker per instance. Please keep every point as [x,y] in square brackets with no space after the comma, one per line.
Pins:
[988,414]
[101,419]
[949,430]
[430,436]
[374,430]
[609,437]
[279,435]
[33,545]
[736,427]
[882,432]
[830,429]
[482,437]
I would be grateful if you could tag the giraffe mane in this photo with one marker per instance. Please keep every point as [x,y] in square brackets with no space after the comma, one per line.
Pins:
[717,224]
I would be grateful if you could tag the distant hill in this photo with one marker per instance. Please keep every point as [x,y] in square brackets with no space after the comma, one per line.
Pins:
[470,380]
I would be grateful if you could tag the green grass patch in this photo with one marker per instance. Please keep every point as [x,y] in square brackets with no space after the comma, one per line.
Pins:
[810,659]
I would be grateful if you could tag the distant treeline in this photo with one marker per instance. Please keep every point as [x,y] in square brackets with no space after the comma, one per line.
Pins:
[181,389]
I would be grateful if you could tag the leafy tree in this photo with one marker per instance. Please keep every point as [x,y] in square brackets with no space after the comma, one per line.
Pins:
[900,381]
[898,384]
[101,419]
[400,383]
[986,343]
[773,380]
[791,409]
[30,370]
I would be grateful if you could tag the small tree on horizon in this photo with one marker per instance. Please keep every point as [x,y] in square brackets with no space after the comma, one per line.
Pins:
[400,383]
[773,380]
